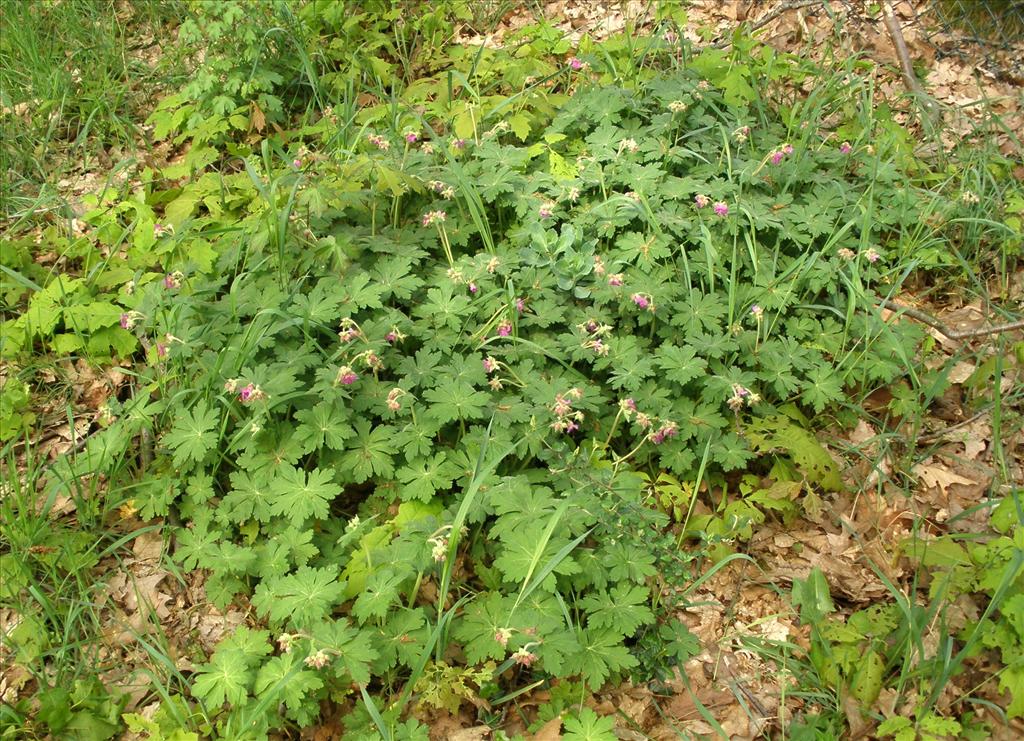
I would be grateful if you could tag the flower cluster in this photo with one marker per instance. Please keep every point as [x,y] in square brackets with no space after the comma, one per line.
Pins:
[393,336]
[346,376]
[546,210]
[524,657]
[379,141]
[644,301]
[434,217]
[781,153]
[502,636]
[970,198]
[677,106]
[173,280]
[615,280]
[393,399]
[667,429]
[445,191]
[439,549]
[701,201]
[160,230]
[490,365]
[318,660]
[247,394]
[741,134]
[129,319]
[721,208]
[593,332]
[567,419]
[411,137]
[742,396]
[845,148]
[349,331]
[505,328]
[628,145]
[870,254]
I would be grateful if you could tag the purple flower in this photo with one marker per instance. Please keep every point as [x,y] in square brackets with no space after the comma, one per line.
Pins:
[756,311]
[490,365]
[640,300]
[347,376]
[505,329]
[459,143]
[520,305]
[411,137]
[126,321]
[545,211]
[172,281]
[776,157]
[787,149]
[845,148]
[721,208]
[473,288]
[576,64]
[390,338]
[297,163]
[615,280]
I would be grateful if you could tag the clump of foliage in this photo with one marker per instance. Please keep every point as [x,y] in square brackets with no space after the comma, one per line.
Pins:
[415,386]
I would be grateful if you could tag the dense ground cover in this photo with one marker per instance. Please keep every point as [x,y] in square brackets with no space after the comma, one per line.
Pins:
[453,378]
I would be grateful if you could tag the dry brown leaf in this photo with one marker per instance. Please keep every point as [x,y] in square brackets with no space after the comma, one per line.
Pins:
[476,733]
[550,731]
[940,477]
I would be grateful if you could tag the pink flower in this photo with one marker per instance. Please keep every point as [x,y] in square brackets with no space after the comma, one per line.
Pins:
[776,157]
[297,163]
[379,141]
[505,329]
[545,211]
[318,660]
[576,64]
[459,143]
[872,255]
[390,337]
[434,217]
[161,350]
[411,137]
[126,321]
[347,376]
[520,305]
[172,281]
[160,230]
[250,393]
[701,200]
[524,657]
[473,288]
[490,365]
[641,300]
[502,635]
[721,208]
[756,311]
[787,149]
[393,396]
[845,148]
[615,280]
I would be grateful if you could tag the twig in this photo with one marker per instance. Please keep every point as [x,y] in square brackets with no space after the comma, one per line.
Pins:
[937,434]
[771,16]
[906,66]
[952,334]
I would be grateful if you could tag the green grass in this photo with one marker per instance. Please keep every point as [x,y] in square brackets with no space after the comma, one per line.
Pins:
[74,84]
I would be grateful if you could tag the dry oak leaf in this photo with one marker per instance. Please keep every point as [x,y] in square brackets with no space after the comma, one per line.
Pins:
[935,476]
